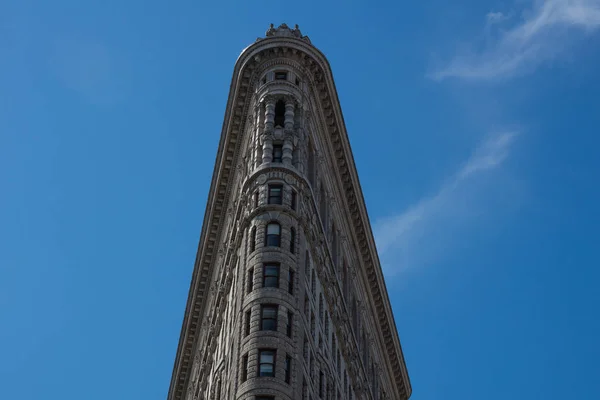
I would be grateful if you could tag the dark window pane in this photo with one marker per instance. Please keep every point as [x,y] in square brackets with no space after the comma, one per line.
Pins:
[269,318]
[266,366]
[293,205]
[271,276]
[273,235]
[277,153]
[275,194]
[281,76]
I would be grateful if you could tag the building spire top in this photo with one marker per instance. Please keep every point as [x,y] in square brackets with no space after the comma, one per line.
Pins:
[285,31]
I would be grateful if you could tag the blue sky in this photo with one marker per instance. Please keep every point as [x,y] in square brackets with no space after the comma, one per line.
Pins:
[474,126]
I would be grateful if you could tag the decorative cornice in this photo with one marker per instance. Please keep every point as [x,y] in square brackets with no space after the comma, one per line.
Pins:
[238,106]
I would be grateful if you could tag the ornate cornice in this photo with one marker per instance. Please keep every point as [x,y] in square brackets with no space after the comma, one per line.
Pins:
[238,106]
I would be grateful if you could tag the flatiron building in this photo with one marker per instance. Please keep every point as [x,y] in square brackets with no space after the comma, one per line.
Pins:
[287,299]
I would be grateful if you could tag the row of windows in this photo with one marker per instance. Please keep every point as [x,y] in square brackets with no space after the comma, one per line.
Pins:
[266,365]
[270,277]
[269,315]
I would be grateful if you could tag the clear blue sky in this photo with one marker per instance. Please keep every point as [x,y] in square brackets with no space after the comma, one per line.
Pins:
[474,126]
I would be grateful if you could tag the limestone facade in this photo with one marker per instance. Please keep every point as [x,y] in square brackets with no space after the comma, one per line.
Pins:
[287,299]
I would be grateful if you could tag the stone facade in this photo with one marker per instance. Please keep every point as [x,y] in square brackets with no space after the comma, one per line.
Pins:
[287,299]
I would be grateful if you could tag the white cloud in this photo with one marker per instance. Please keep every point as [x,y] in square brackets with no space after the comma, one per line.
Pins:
[419,234]
[542,35]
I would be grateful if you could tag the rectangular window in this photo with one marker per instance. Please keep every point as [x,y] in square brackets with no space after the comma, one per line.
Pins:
[281,76]
[266,362]
[277,153]
[290,323]
[321,383]
[273,235]
[244,367]
[291,282]
[256,199]
[247,322]
[271,275]
[275,194]
[268,317]
[250,282]
[288,368]
[293,203]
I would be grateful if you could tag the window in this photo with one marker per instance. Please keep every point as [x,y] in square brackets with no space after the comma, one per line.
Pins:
[288,368]
[256,199]
[293,203]
[297,82]
[247,322]
[277,153]
[279,113]
[250,277]
[271,275]
[268,317]
[292,240]
[291,281]
[273,235]
[264,397]
[281,76]
[264,80]
[290,323]
[275,194]
[266,362]
[321,383]
[244,367]
[253,239]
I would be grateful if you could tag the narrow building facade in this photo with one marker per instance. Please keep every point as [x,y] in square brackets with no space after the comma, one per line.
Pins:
[287,299]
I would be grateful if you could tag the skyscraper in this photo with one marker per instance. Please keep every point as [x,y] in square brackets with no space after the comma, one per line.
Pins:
[287,299]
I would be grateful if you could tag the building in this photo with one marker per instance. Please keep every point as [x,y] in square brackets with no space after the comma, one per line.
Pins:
[287,299]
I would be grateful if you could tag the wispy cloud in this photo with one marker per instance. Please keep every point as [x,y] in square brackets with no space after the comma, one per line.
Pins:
[544,33]
[415,235]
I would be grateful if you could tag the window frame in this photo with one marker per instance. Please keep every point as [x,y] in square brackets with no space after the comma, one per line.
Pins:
[261,362]
[290,324]
[272,199]
[272,319]
[266,276]
[273,239]
[291,279]
[253,239]
[279,158]
[250,280]
[287,369]
[280,75]
[294,200]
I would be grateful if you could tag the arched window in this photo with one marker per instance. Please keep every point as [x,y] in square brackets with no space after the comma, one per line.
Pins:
[279,113]
[292,240]
[273,237]
[253,239]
